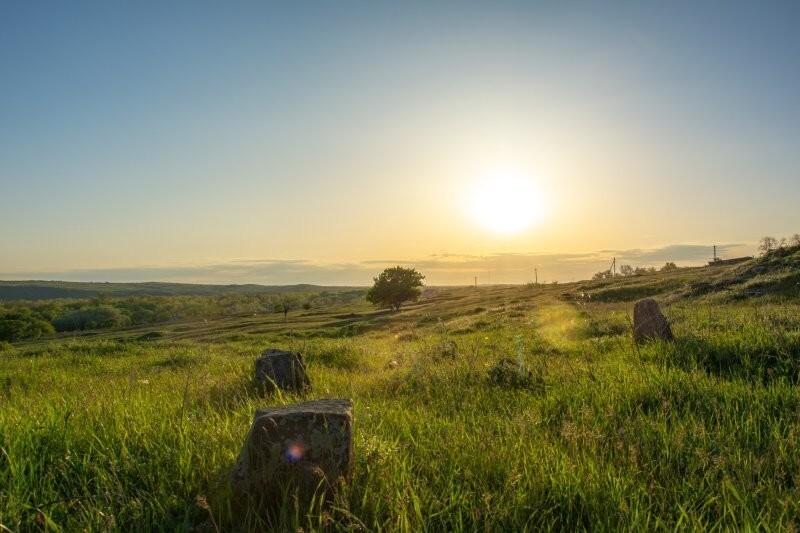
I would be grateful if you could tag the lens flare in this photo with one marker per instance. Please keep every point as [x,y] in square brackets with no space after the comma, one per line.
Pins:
[295,452]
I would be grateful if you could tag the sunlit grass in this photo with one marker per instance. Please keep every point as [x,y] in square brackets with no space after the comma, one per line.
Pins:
[103,434]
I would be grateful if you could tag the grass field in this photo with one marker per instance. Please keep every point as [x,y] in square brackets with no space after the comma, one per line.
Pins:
[138,429]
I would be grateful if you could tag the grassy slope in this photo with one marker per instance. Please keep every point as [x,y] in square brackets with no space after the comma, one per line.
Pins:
[112,430]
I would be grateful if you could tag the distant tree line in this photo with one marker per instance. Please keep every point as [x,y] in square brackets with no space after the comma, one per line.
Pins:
[628,270]
[29,320]
[767,244]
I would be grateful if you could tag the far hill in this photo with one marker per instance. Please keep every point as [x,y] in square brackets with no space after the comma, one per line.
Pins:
[50,290]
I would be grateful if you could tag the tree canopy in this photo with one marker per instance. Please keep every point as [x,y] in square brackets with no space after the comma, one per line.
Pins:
[394,286]
[767,244]
[17,324]
[21,320]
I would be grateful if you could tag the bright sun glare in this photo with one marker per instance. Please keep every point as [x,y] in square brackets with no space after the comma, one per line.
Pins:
[505,203]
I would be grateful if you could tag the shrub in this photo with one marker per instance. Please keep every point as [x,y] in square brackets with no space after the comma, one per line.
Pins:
[767,244]
[21,324]
[604,274]
[98,316]
[445,348]
[512,374]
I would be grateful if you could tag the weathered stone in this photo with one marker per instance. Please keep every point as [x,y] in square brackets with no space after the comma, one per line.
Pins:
[283,370]
[648,322]
[306,447]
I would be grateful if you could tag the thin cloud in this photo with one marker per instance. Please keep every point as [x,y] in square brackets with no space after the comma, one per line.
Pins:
[439,269]
[676,253]
[388,262]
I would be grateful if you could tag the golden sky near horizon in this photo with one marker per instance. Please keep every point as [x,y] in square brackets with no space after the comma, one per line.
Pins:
[152,142]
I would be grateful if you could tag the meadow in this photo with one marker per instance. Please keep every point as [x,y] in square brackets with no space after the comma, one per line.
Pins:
[490,408]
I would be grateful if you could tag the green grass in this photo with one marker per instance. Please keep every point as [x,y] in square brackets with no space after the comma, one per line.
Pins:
[124,430]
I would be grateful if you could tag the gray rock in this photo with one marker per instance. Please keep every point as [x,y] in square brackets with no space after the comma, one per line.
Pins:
[306,448]
[283,370]
[649,323]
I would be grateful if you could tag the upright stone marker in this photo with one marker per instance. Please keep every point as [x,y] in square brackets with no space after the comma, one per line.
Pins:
[307,447]
[649,323]
[283,370]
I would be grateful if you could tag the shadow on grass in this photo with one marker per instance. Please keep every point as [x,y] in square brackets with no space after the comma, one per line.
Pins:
[764,359]
[278,509]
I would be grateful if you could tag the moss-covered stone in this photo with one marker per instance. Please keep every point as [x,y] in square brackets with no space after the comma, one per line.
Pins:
[307,447]
[279,369]
[649,322]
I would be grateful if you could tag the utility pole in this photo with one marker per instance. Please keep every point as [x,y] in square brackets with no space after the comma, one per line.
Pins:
[536,275]
[715,254]
[476,282]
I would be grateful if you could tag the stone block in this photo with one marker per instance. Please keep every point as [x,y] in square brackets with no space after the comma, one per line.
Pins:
[306,447]
[283,370]
[649,322]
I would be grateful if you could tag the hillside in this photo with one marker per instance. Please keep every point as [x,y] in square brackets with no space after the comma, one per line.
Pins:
[775,273]
[498,408]
[50,290]
[773,276]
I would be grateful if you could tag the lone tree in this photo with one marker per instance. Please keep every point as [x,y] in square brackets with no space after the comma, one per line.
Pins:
[767,244]
[394,286]
[284,305]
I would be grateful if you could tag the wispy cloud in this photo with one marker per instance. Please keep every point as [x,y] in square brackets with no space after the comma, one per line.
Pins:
[681,252]
[440,269]
[266,272]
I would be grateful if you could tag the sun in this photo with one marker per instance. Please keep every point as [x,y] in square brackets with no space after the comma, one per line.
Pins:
[505,203]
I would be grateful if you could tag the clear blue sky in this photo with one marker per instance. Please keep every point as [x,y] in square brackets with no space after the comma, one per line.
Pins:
[283,142]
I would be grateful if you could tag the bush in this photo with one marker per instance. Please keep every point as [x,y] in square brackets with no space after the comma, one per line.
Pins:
[99,316]
[511,374]
[445,349]
[604,274]
[19,324]
[767,244]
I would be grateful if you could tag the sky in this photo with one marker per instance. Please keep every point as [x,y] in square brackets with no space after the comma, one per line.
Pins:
[320,142]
